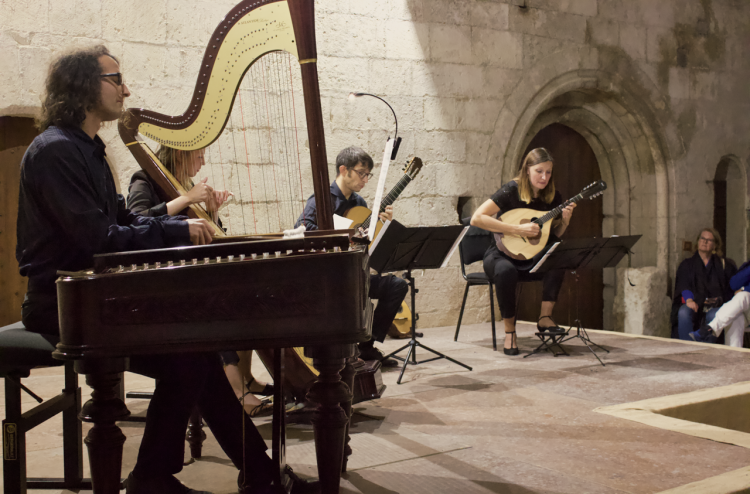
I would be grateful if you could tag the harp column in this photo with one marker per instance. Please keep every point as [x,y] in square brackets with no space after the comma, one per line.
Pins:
[303,19]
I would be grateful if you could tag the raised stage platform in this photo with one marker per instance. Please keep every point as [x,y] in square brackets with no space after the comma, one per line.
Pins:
[515,425]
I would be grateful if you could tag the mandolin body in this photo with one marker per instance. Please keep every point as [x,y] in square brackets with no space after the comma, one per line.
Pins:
[523,248]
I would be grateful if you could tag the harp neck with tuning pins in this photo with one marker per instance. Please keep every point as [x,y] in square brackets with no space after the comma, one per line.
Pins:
[247,118]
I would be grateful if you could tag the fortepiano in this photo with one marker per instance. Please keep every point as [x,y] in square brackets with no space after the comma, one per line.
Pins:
[277,293]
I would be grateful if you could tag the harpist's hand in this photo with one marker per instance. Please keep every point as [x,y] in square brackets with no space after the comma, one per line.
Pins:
[218,198]
[528,230]
[201,192]
[201,232]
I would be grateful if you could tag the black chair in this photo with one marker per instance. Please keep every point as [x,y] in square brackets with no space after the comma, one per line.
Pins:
[472,249]
[21,351]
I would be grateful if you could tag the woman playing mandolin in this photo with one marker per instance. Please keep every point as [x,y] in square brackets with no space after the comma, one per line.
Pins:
[533,188]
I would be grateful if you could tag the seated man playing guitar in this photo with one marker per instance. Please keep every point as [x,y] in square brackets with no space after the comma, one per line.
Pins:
[533,188]
[354,171]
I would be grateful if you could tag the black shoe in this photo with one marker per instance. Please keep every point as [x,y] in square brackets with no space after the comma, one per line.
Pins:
[158,485]
[372,353]
[704,335]
[267,390]
[299,485]
[512,350]
[550,329]
[389,362]
[302,486]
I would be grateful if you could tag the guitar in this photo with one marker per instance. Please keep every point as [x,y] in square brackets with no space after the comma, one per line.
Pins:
[527,247]
[360,215]
[401,325]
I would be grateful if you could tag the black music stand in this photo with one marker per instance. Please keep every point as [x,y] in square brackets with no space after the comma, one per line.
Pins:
[399,248]
[575,254]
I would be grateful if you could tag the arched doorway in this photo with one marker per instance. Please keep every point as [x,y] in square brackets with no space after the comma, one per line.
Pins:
[729,208]
[16,133]
[575,167]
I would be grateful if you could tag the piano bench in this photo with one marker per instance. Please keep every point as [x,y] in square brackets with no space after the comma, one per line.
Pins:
[21,351]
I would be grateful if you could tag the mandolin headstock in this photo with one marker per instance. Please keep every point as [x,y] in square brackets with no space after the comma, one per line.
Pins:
[594,189]
[412,167]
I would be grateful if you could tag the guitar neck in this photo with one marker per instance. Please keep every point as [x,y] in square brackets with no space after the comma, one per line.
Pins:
[556,212]
[391,197]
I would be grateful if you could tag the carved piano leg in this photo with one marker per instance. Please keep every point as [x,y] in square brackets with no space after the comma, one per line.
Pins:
[195,435]
[330,419]
[105,439]
[347,377]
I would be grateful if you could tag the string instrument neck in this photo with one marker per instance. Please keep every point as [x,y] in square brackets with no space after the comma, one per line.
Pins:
[391,197]
[554,213]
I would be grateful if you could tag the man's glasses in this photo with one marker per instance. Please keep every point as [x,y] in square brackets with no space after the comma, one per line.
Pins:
[363,175]
[117,77]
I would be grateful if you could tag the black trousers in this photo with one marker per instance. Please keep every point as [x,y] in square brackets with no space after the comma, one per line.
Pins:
[505,273]
[183,382]
[389,291]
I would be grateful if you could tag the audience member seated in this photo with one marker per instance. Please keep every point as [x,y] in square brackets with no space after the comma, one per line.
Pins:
[701,278]
[732,316]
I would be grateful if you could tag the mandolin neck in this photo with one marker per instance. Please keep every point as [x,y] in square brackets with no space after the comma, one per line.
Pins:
[391,197]
[551,215]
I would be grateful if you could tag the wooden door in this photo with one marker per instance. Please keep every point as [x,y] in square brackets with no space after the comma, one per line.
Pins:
[575,168]
[16,134]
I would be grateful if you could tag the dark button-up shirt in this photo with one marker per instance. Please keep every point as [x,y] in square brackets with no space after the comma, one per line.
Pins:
[341,205]
[69,210]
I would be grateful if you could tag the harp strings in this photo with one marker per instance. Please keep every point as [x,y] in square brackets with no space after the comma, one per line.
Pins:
[263,167]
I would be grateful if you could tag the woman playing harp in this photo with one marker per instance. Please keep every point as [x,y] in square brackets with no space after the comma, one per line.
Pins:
[144,200]
[183,165]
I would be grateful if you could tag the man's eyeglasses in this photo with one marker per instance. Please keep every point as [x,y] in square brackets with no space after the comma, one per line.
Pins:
[117,77]
[709,240]
[363,175]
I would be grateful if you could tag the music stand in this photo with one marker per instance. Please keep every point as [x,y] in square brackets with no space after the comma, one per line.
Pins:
[580,253]
[400,248]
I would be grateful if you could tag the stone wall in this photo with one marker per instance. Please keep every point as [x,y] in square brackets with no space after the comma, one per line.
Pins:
[659,89]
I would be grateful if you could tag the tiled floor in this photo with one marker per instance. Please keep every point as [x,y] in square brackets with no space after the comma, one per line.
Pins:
[513,424]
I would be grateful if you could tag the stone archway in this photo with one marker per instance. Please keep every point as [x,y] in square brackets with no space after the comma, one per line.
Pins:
[730,188]
[619,112]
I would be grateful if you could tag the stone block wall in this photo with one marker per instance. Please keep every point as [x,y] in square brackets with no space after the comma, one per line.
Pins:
[459,73]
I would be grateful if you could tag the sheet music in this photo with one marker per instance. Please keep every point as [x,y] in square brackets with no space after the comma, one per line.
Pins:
[380,235]
[341,223]
[541,261]
[381,186]
[454,247]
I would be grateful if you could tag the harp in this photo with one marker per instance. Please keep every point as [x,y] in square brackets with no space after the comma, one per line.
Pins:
[256,93]
[248,126]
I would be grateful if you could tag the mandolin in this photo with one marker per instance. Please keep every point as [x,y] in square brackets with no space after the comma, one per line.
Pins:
[527,247]
[360,215]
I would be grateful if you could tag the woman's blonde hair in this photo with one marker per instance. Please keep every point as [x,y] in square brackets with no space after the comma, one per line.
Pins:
[718,244]
[535,157]
[170,157]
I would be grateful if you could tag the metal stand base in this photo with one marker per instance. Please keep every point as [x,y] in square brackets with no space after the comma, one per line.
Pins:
[584,337]
[548,342]
[411,355]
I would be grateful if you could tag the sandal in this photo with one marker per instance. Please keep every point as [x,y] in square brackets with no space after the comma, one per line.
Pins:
[264,408]
[552,329]
[266,391]
[512,350]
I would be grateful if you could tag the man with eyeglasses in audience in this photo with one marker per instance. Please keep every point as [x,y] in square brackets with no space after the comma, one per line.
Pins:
[354,168]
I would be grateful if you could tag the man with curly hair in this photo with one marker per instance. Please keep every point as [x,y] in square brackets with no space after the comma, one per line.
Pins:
[69,210]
